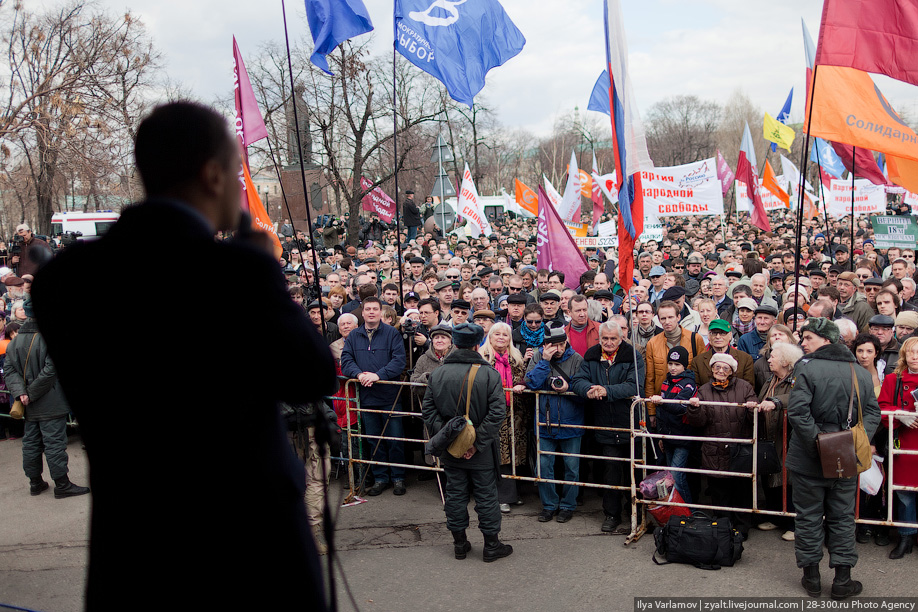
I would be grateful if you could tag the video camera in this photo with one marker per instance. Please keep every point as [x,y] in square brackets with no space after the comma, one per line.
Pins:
[70,238]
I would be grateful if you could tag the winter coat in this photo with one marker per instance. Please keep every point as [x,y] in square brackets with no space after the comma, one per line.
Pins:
[671,417]
[623,378]
[592,333]
[771,423]
[721,421]
[347,392]
[819,404]
[384,356]
[751,344]
[424,367]
[725,308]
[858,310]
[891,356]
[522,405]
[411,214]
[556,409]
[691,320]
[701,366]
[905,467]
[487,409]
[39,381]
[656,355]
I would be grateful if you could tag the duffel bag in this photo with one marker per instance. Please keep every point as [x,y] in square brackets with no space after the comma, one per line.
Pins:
[699,540]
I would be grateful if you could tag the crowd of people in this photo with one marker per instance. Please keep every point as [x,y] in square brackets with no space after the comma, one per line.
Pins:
[723,326]
[714,315]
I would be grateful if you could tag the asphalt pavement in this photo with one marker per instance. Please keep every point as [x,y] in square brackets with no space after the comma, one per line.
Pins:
[396,554]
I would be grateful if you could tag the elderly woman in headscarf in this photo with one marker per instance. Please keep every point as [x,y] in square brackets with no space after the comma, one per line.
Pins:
[734,421]
[773,399]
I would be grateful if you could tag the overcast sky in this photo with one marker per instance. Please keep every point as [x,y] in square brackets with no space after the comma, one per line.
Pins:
[708,48]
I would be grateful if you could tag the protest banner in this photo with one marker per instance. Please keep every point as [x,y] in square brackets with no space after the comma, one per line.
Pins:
[377,201]
[894,231]
[769,199]
[868,198]
[689,189]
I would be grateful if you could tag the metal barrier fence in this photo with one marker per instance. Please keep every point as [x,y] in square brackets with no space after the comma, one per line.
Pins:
[638,462]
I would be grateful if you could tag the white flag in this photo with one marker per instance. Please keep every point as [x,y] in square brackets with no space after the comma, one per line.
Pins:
[570,203]
[792,174]
[469,206]
[552,193]
[607,184]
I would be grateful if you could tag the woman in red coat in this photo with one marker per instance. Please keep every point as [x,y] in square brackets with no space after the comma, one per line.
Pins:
[896,395]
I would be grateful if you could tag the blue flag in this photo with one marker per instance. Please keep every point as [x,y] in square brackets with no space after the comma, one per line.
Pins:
[784,115]
[599,98]
[824,155]
[332,22]
[456,42]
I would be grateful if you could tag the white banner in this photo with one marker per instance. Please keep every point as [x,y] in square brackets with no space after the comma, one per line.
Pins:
[868,198]
[469,206]
[689,189]
[552,193]
[769,200]
[607,184]
[570,203]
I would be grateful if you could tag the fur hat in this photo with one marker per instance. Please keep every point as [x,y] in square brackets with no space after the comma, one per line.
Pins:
[822,327]
[467,335]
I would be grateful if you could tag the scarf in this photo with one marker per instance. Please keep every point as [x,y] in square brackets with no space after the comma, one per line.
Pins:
[721,386]
[739,326]
[532,338]
[502,365]
[673,338]
[647,334]
[610,357]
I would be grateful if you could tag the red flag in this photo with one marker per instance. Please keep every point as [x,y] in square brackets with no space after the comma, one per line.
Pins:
[864,164]
[377,201]
[746,173]
[825,178]
[871,35]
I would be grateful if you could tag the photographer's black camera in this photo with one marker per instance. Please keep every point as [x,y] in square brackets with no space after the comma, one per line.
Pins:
[556,382]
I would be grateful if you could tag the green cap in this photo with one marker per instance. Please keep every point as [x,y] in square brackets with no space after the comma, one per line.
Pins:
[719,324]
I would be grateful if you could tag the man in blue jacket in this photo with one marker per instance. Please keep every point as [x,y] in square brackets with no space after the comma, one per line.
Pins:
[552,369]
[752,342]
[373,352]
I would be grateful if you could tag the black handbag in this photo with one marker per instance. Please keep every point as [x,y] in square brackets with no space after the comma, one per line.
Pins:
[699,540]
[741,458]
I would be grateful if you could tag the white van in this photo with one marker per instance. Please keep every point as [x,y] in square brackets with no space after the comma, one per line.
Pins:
[89,224]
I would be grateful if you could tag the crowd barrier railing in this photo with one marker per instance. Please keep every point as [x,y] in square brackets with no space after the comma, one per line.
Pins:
[642,445]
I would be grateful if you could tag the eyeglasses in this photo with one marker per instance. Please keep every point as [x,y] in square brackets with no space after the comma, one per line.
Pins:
[872,289]
[449,277]
[533,321]
[515,288]
[719,367]
[678,267]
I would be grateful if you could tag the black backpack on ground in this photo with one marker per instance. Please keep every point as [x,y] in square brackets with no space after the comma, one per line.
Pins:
[698,540]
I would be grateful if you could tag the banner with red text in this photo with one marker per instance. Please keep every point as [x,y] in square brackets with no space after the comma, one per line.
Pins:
[470,207]
[868,198]
[689,189]
[377,201]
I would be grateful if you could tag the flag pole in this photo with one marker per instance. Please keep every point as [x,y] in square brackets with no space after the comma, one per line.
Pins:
[398,218]
[299,149]
[825,205]
[800,196]
[851,251]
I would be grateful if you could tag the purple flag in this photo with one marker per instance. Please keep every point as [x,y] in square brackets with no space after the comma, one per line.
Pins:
[724,173]
[555,247]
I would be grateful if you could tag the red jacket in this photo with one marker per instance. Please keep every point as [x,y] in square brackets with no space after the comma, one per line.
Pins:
[905,467]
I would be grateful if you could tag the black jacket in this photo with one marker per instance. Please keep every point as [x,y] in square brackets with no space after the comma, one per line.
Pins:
[411,214]
[622,379]
[225,491]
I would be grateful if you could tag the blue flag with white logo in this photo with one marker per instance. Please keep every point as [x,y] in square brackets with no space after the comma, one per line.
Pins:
[784,115]
[456,41]
[332,22]
[824,155]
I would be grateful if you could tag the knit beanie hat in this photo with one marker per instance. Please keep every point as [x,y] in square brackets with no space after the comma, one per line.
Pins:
[823,328]
[726,358]
[678,354]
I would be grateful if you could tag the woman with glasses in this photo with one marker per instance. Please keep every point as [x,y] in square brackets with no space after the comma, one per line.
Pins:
[529,336]
[730,421]
[498,350]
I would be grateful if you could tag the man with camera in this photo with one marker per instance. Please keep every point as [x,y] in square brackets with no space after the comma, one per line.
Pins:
[551,369]
[28,252]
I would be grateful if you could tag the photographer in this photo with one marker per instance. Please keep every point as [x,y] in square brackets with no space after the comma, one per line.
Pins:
[551,369]
[373,230]
[28,252]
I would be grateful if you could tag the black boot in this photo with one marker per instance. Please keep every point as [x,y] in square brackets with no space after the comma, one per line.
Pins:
[904,547]
[461,544]
[494,549]
[843,586]
[37,485]
[812,581]
[64,488]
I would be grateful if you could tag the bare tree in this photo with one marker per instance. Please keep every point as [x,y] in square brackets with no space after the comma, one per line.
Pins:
[681,129]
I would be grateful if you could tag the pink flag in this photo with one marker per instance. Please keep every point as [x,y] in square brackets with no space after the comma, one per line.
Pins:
[377,201]
[724,173]
[248,123]
[555,247]
[596,196]
[250,127]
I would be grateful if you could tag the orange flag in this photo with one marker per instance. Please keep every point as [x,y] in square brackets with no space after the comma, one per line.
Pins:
[586,184]
[260,219]
[809,207]
[849,108]
[903,172]
[769,183]
[527,198]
